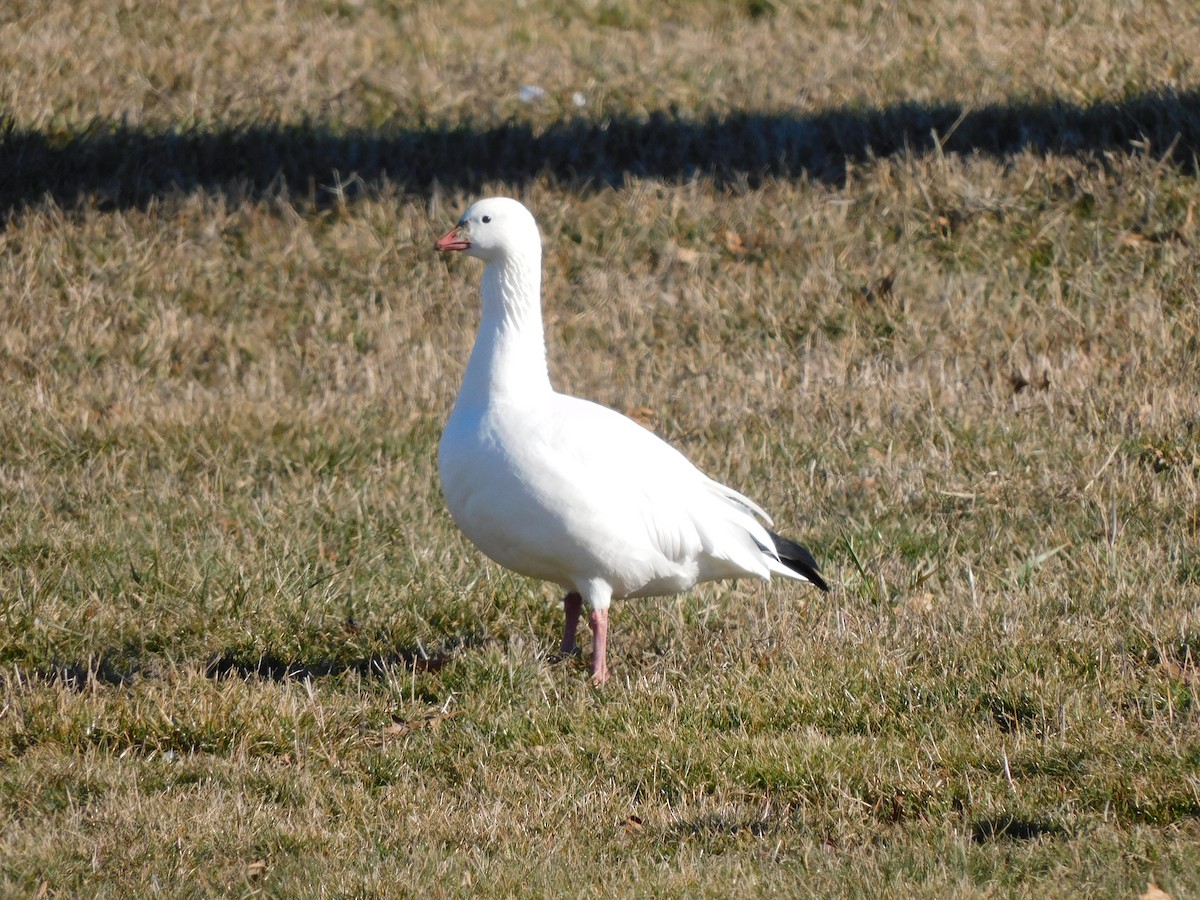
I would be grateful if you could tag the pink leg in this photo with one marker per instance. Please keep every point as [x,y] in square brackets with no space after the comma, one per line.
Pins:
[572,605]
[599,646]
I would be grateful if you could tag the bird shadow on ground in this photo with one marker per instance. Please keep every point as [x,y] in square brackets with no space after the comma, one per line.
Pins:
[124,667]
[378,665]
[110,165]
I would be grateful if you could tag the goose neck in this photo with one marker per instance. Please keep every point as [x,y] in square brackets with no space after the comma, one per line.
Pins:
[509,357]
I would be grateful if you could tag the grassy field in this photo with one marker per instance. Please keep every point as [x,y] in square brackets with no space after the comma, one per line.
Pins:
[921,278]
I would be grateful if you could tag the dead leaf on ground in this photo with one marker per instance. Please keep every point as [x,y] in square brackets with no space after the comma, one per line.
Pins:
[1172,669]
[633,824]
[433,721]
[920,603]
[256,868]
[643,415]
[743,244]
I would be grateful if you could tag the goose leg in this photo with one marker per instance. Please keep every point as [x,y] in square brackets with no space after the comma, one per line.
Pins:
[572,605]
[599,646]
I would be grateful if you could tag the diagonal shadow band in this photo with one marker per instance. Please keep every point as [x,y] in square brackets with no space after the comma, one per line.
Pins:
[114,166]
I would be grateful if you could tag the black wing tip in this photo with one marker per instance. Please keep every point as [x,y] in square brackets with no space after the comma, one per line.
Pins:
[799,560]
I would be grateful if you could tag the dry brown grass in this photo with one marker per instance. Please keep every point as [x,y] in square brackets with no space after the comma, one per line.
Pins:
[243,648]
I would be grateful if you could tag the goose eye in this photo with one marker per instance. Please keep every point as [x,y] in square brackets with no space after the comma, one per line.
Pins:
[486,219]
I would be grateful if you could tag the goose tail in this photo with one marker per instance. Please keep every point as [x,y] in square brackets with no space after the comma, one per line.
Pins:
[798,559]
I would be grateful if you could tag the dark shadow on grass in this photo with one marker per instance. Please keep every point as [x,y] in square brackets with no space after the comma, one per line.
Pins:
[114,166]
[231,664]
[124,668]
[1013,828]
[1167,810]
[103,670]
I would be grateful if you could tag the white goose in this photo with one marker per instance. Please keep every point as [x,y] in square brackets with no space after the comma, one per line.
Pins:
[568,491]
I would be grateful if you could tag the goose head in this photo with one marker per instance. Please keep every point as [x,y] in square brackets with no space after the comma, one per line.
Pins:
[493,229]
